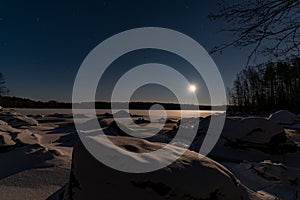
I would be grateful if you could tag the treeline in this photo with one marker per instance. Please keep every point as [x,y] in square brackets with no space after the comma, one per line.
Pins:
[16,102]
[267,87]
[144,106]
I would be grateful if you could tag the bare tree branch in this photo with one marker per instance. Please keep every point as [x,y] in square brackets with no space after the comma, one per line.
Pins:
[272,27]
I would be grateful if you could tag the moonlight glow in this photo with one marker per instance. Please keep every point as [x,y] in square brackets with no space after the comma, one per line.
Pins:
[192,88]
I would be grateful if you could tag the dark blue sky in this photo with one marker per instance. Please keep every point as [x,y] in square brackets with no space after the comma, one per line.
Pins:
[43,43]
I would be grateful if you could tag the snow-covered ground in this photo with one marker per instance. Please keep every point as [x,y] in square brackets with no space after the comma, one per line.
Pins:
[255,158]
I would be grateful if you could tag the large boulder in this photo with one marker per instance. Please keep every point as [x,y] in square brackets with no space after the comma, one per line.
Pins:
[188,178]
[17,120]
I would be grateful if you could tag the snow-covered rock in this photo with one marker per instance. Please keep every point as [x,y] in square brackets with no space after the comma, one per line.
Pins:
[5,139]
[283,117]
[251,138]
[16,120]
[250,129]
[12,137]
[59,115]
[188,178]
[3,123]
[255,130]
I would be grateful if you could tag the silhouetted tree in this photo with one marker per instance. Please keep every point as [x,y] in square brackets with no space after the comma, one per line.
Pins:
[3,89]
[269,26]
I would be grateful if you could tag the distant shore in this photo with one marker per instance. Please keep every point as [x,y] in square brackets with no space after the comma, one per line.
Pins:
[17,102]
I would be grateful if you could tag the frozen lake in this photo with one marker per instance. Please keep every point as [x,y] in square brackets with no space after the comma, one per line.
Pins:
[170,113]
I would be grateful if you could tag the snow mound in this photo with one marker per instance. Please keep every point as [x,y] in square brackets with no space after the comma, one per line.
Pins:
[283,117]
[25,157]
[121,113]
[273,178]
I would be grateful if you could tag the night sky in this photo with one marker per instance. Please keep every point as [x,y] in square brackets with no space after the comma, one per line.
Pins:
[43,43]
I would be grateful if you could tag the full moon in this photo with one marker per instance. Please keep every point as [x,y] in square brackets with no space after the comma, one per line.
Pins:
[192,88]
